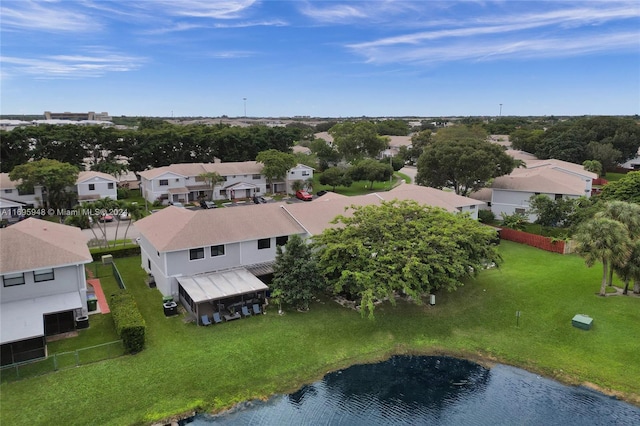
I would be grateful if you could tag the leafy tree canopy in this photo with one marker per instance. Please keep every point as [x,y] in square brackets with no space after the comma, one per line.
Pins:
[393,127]
[356,140]
[625,189]
[465,165]
[371,170]
[296,277]
[335,176]
[276,163]
[55,177]
[401,246]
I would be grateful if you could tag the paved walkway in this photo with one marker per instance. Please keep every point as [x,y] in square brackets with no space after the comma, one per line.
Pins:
[102,300]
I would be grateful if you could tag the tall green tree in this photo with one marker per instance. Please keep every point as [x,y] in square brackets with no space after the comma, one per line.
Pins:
[371,171]
[211,179]
[296,277]
[357,140]
[625,189]
[335,176]
[630,271]
[401,247]
[603,240]
[276,164]
[593,166]
[57,179]
[627,214]
[465,165]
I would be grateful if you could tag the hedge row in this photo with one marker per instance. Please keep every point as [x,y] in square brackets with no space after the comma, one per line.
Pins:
[128,321]
[116,252]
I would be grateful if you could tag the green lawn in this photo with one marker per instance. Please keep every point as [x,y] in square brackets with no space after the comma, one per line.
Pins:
[360,187]
[186,368]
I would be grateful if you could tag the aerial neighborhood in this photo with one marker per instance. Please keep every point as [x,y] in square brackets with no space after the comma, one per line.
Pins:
[209,237]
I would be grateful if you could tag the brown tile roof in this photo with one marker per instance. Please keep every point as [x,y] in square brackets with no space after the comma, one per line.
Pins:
[447,200]
[543,180]
[86,175]
[176,228]
[35,244]
[195,169]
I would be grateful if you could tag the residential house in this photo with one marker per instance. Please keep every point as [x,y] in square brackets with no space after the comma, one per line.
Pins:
[184,182]
[10,192]
[93,186]
[300,173]
[555,178]
[44,288]
[90,186]
[204,258]
[10,211]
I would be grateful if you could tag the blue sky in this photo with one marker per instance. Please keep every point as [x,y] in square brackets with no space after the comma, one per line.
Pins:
[320,58]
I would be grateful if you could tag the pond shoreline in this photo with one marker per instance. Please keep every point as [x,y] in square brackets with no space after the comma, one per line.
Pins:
[484,360]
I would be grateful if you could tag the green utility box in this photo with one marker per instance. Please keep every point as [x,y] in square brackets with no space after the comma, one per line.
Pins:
[92,304]
[583,322]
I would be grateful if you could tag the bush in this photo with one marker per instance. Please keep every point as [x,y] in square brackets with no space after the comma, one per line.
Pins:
[129,323]
[116,252]
[486,216]
[123,193]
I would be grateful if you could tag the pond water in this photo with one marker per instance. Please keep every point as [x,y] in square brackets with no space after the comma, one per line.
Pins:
[418,390]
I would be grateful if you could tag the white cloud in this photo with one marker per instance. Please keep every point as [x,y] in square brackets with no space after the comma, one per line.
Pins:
[70,66]
[569,31]
[204,8]
[45,16]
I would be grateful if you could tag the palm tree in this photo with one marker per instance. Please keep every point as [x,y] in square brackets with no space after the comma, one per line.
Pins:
[626,213]
[135,212]
[605,240]
[212,179]
[631,269]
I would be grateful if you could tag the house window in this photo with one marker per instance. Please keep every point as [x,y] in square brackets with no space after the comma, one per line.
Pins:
[92,187]
[164,182]
[110,185]
[217,250]
[264,243]
[520,211]
[149,264]
[27,191]
[197,253]
[558,196]
[43,275]
[256,177]
[280,241]
[8,191]
[13,279]
[224,178]
[305,173]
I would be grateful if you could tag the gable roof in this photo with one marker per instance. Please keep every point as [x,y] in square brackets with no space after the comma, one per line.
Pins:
[36,244]
[175,228]
[86,175]
[195,169]
[543,179]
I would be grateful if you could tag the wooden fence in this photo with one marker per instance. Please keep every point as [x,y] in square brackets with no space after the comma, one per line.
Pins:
[538,241]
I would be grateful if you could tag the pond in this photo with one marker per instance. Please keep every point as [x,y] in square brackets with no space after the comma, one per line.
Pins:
[413,390]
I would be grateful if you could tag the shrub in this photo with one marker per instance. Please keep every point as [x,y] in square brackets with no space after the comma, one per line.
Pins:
[123,193]
[116,252]
[486,216]
[129,323]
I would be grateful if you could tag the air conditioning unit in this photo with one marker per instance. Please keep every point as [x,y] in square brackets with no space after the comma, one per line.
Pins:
[107,259]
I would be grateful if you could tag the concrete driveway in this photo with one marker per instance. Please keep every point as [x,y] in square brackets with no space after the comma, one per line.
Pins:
[111,228]
[410,171]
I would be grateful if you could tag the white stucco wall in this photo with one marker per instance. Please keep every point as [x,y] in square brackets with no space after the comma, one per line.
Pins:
[67,279]
[101,188]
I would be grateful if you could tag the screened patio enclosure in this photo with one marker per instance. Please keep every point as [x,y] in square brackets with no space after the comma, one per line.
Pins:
[224,292]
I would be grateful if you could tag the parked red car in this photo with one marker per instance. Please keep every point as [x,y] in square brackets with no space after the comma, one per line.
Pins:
[304,196]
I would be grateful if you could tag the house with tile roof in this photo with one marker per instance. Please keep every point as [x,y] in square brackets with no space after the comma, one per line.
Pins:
[190,253]
[44,290]
[93,186]
[184,182]
[511,193]
[90,186]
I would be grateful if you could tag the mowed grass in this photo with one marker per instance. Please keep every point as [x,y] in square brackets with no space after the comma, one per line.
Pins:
[360,187]
[186,368]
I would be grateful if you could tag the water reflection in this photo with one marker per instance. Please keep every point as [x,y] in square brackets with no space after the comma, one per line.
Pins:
[408,390]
